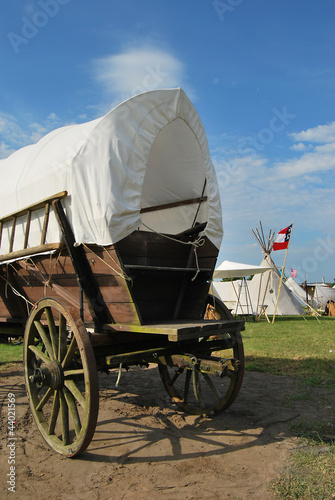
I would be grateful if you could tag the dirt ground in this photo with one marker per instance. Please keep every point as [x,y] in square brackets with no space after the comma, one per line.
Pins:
[144,447]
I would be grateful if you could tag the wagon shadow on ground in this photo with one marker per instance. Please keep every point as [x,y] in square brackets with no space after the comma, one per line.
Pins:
[139,421]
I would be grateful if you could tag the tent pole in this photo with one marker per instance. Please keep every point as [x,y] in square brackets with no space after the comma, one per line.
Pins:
[259,293]
[266,288]
[247,294]
[237,296]
[281,277]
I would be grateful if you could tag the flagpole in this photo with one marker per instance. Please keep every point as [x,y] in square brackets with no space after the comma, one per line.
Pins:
[281,277]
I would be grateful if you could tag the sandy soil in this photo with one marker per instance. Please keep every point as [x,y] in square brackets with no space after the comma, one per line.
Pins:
[144,447]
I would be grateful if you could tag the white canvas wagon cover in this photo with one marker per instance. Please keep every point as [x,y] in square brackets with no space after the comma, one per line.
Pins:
[148,151]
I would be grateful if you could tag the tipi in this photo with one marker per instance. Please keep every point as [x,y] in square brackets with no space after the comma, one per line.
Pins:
[264,287]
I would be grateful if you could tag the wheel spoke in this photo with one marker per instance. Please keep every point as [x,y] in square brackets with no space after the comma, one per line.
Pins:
[44,399]
[187,384]
[70,373]
[64,418]
[54,414]
[73,411]
[70,352]
[196,387]
[62,338]
[176,375]
[207,396]
[39,354]
[52,330]
[44,337]
[71,385]
[212,387]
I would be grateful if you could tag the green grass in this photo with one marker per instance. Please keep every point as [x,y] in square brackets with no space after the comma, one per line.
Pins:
[10,353]
[293,347]
[304,350]
[310,475]
[315,432]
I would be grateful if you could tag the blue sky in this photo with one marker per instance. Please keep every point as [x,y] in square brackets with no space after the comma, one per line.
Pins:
[260,73]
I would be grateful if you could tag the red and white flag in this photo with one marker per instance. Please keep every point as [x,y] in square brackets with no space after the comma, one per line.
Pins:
[282,239]
[293,273]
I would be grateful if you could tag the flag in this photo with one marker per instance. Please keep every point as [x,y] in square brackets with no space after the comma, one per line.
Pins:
[293,273]
[282,239]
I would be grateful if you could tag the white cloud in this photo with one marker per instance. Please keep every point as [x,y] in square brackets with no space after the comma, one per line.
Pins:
[299,147]
[326,148]
[53,117]
[5,150]
[15,135]
[314,158]
[321,133]
[37,131]
[12,135]
[138,70]
[313,162]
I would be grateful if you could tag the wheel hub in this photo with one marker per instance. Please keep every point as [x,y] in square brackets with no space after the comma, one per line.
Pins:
[49,375]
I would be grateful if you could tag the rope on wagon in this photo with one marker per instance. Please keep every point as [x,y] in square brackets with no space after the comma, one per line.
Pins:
[17,293]
[120,273]
[47,283]
[196,244]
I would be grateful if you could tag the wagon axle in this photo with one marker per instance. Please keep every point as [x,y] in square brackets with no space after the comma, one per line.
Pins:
[50,375]
[211,365]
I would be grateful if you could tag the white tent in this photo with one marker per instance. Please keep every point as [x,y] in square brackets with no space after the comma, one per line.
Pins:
[227,292]
[248,297]
[229,269]
[322,293]
[235,294]
[150,150]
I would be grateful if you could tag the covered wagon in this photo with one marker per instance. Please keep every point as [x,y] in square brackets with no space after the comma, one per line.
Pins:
[110,232]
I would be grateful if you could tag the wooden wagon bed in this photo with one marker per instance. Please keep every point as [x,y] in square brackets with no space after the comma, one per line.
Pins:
[144,278]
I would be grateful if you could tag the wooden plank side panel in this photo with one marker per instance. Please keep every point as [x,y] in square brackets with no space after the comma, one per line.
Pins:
[12,305]
[115,285]
[9,303]
[54,276]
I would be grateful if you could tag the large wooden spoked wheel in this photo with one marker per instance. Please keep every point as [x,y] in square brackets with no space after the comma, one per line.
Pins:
[195,390]
[61,377]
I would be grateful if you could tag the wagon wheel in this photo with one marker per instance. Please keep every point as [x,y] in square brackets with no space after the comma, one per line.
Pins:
[61,377]
[201,393]
[219,307]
